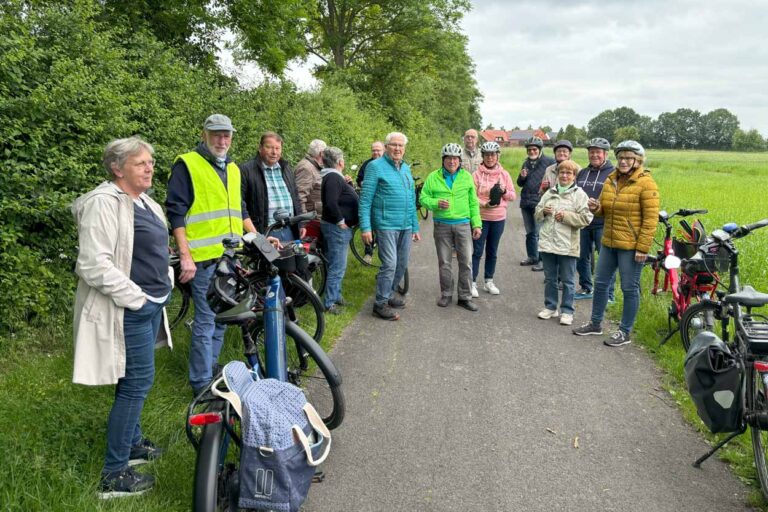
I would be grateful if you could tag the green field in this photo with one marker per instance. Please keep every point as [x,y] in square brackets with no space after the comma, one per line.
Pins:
[53,431]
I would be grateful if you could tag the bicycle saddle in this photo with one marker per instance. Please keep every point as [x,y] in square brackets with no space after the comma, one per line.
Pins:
[748,297]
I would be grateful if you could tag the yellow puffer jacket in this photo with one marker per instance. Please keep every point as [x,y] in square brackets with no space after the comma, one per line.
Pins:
[630,207]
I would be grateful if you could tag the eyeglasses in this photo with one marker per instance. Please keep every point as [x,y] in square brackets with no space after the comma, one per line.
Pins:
[625,158]
[145,163]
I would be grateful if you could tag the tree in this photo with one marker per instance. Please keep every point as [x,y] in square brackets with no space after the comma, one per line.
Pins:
[718,128]
[577,136]
[626,133]
[608,121]
[748,141]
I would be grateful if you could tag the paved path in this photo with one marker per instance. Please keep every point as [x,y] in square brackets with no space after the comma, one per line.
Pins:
[452,410]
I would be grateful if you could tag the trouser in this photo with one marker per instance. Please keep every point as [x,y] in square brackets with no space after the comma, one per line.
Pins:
[447,237]
[562,267]
[207,335]
[608,262]
[590,242]
[336,242]
[531,232]
[394,249]
[489,239]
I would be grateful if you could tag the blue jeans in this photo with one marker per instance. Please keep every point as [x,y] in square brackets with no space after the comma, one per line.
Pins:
[394,249]
[284,234]
[123,431]
[492,231]
[564,267]
[336,242]
[531,232]
[590,242]
[207,335]
[629,270]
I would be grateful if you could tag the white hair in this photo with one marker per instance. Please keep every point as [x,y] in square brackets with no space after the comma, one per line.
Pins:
[389,136]
[118,151]
[316,148]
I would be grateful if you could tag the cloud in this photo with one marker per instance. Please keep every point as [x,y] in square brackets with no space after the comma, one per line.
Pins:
[557,61]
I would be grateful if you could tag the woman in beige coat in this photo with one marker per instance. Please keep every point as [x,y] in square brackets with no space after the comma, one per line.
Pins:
[119,307]
[562,212]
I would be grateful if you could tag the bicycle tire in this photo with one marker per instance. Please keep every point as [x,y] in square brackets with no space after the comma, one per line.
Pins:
[211,480]
[404,285]
[178,307]
[358,248]
[696,318]
[319,274]
[306,308]
[756,402]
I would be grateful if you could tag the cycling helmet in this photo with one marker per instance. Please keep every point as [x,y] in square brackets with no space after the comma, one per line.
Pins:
[451,149]
[563,144]
[225,292]
[534,141]
[599,143]
[630,145]
[490,147]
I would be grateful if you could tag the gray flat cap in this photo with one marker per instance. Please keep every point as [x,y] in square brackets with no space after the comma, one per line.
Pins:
[218,122]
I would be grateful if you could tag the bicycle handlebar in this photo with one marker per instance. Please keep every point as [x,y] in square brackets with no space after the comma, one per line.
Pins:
[685,212]
[745,230]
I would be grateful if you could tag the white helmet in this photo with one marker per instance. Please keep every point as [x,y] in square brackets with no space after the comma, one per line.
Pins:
[630,145]
[490,147]
[451,149]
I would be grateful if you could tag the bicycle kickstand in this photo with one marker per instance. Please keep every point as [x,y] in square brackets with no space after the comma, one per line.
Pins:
[669,335]
[697,463]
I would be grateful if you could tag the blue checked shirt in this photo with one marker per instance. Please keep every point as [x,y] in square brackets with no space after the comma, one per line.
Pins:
[278,195]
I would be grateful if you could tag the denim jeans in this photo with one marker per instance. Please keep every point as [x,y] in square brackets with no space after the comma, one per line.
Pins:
[394,249]
[531,232]
[489,239]
[283,234]
[336,242]
[564,267]
[629,270]
[447,237]
[590,242]
[207,335]
[123,431]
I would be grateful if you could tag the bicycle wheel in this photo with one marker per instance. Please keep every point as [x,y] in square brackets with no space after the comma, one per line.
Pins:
[215,485]
[697,318]
[360,250]
[178,307]
[756,402]
[405,284]
[306,308]
[310,368]
[319,273]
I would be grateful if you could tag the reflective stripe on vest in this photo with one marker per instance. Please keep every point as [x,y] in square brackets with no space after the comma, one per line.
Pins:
[215,213]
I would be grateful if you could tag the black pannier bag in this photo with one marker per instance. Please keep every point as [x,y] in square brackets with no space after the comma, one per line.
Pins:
[713,376]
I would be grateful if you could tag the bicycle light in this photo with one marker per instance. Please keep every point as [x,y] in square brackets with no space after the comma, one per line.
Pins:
[204,418]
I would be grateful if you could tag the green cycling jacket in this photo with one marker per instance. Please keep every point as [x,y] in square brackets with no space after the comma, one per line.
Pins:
[462,197]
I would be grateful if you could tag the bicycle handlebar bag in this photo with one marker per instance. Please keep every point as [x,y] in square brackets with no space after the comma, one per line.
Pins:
[283,440]
[713,376]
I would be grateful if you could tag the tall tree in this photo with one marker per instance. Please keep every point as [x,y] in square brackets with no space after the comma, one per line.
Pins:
[748,141]
[717,129]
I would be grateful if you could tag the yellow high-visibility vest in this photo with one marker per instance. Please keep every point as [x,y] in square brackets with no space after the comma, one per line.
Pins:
[216,212]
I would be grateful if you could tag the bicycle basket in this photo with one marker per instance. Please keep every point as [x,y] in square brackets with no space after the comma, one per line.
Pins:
[713,376]
[715,259]
[684,249]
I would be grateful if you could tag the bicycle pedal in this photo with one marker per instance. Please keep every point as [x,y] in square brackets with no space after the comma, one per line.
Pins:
[318,477]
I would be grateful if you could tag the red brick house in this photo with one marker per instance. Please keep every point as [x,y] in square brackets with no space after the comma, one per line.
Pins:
[500,136]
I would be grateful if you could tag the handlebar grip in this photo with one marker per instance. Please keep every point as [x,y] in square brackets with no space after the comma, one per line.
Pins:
[686,212]
[301,218]
[745,230]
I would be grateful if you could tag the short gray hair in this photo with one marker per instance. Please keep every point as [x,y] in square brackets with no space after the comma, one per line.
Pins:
[331,157]
[118,151]
[316,148]
[395,134]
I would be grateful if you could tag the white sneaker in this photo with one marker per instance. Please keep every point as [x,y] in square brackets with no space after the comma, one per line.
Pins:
[566,319]
[475,294]
[490,288]
[546,314]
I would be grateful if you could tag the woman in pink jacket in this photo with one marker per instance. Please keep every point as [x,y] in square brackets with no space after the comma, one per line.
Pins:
[494,189]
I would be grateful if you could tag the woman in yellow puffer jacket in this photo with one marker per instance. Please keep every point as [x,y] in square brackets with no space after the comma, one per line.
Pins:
[630,205]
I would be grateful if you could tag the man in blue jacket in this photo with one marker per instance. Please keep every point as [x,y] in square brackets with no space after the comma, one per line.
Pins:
[591,180]
[388,207]
[529,180]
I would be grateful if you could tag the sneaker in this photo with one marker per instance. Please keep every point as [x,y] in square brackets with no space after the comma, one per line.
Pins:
[397,301]
[583,294]
[385,312]
[587,329]
[546,314]
[474,292]
[617,339]
[528,261]
[467,304]
[144,452]
[367,258]
[333,309]
[490,287]
[125,483]
[566,319]
[443,301]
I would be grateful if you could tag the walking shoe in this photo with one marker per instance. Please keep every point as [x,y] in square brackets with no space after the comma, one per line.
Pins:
[385,312]
[341,302]
[538,267]
[125,483]
[583,294]
[397,301]
[444,301]
[528,261]
[546,314]
[144,452]
[566,319]
[368,258]
[490,287]
[333,309]
[467,304]
[587,329]
[617,339]
[474,292]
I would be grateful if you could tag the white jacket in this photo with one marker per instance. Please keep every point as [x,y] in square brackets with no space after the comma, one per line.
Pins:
[104,218]
[563,237]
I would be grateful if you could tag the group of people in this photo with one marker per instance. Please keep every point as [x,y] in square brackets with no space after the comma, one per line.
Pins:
[123,261]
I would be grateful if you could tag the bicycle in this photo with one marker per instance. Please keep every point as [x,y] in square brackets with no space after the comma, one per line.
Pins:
[181,295]
[285,352]
[750,340]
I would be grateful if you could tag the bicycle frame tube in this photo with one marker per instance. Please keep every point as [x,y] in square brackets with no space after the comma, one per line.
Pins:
[274,331]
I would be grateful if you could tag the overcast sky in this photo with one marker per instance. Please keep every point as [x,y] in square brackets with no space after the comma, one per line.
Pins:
[554,62]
